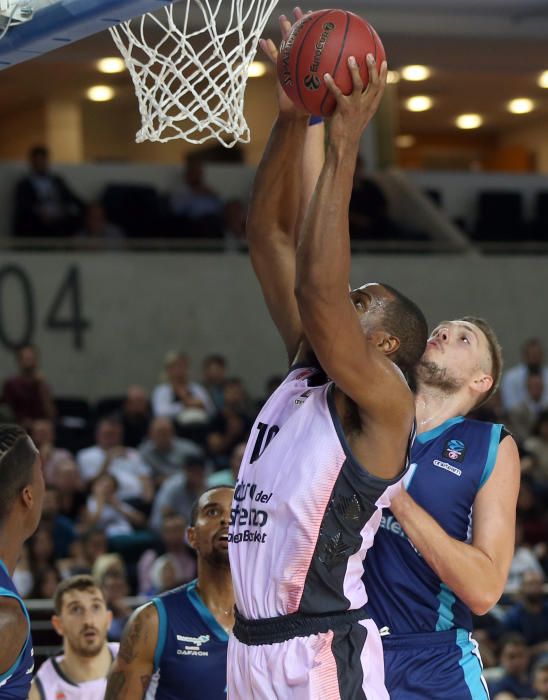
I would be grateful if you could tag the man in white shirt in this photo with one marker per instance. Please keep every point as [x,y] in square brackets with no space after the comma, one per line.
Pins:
[163,452]
[514,381]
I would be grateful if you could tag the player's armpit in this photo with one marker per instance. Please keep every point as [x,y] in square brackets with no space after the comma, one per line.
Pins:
[133,667]
[13,632]
[34,693]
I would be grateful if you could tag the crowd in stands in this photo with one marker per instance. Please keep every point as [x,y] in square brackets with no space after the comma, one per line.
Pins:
[120,489]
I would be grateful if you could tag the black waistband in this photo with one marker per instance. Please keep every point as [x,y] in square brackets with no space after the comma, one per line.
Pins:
[273,630]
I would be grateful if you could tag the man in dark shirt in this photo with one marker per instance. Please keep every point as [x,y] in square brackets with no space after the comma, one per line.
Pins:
[514,658]
[529,617]
[27,393]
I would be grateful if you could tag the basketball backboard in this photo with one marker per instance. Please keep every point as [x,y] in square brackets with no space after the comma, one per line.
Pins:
[56,23]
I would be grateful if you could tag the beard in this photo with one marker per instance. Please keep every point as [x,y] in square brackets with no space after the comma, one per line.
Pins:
[218,559]
[87,649]
[431,374]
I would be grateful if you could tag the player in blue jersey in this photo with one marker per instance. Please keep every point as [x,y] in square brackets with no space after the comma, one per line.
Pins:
[175,646]
[444,548]
[21,496]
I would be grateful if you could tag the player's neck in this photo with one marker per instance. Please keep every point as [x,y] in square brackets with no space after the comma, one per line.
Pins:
[215,589]
[80,669]
[432,408]
[11,545]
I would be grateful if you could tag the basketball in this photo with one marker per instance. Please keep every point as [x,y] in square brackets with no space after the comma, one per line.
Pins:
[319,43]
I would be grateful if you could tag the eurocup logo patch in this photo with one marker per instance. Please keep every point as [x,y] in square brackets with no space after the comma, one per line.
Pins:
[312,82]
[454,450]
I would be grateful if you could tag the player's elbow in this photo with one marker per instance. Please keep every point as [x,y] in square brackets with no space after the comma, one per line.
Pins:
[481,602]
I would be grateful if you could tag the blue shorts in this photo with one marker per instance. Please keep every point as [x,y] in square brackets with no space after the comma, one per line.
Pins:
[437,666]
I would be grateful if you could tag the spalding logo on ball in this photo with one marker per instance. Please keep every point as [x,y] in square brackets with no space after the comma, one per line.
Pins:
[319,43]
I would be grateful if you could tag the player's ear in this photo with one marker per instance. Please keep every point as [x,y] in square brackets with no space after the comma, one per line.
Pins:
[57,624]
[191,536]
[481,383]
[386,343]
[109,617]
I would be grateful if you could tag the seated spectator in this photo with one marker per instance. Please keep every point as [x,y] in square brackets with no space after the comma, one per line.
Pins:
[183,401]
[196,209]
[234,235]
[514,659]
[135,416]
[529,617]
[124,463]
[540,679]
[164,453]
[94,545]
[44,204]
[230,425]
[110,572]
[59,526]
[43,436]
[523,417]
[227,477]
[71,496]
[531,513]
[524,560]
[179,559]
[41,549]
[22,576]
[98,230]
[27,393]
[46,581]
[537,446]
[105,510]
[214,378]
[178,494]
[514,381]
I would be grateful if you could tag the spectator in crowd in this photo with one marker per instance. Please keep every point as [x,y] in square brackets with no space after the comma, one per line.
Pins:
[46,581]
[540,679]
[178,493]
[514,659]
[94,546]
[44,204]
[43,436]
[71,495]
[196,209]
[104,509]
[514,381]
[178,398]
[537,446]
[59,526]
[23,577]
[234,216]
[125,464]
[41,549]
[135,416]
[230,425]
[182,559]
[272,383]
[110,573]
[214,378]
[531,513]
[82,619]
[98,231]
[523,417]
[27,393]
[524,560]
[529,617]
[227,477]
[164,453]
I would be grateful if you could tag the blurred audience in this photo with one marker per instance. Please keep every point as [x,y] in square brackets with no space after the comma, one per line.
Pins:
[178,493]
[43,435]
[98,230]
[529,617]
[214,378]
[27,393]
[135,416]
[514,661]
[513,387]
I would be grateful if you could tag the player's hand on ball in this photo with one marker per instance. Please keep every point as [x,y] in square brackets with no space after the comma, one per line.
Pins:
[270,50]
[354,112]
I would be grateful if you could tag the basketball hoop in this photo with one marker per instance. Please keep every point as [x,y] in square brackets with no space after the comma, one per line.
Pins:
[12,13]
[189,64]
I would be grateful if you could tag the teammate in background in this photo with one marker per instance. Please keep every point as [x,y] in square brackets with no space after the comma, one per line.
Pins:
[324,456]
[21,496]
[445,547]
[175,646]
[82,619]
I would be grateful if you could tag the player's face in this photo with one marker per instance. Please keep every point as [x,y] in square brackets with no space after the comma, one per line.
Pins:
[209,536]
[369,302]
[84,621]
[456,352]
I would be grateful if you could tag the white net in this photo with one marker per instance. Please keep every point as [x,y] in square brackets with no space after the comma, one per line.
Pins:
[189,63]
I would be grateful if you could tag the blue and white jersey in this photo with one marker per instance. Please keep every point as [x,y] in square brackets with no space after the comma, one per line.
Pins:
[190,655]
[15,682]
[449,465]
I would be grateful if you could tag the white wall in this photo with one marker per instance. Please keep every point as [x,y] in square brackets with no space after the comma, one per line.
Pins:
[139,305]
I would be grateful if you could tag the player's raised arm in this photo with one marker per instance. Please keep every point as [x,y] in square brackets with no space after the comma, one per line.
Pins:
[328,313]
[272,223]
[132,669]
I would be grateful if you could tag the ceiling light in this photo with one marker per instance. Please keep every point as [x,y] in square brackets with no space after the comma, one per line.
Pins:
[469,121]
[392,77]
[405,141]
[521,105]
[543,79]
[418,103]
[100,93]
[111,64]
[257,69]
[415,73]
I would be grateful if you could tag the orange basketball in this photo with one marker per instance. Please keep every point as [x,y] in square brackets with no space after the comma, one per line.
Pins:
[320,43]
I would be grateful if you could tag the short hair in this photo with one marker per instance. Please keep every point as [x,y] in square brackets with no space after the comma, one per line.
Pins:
[81,582]
[403,319]
[17,457]
[214,359]
[495,353]
[196,505]
[512,638]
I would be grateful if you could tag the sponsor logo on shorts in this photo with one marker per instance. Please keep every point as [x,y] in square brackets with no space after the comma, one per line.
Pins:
[454,450]
[447,467]
[193,645]
[312,80]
